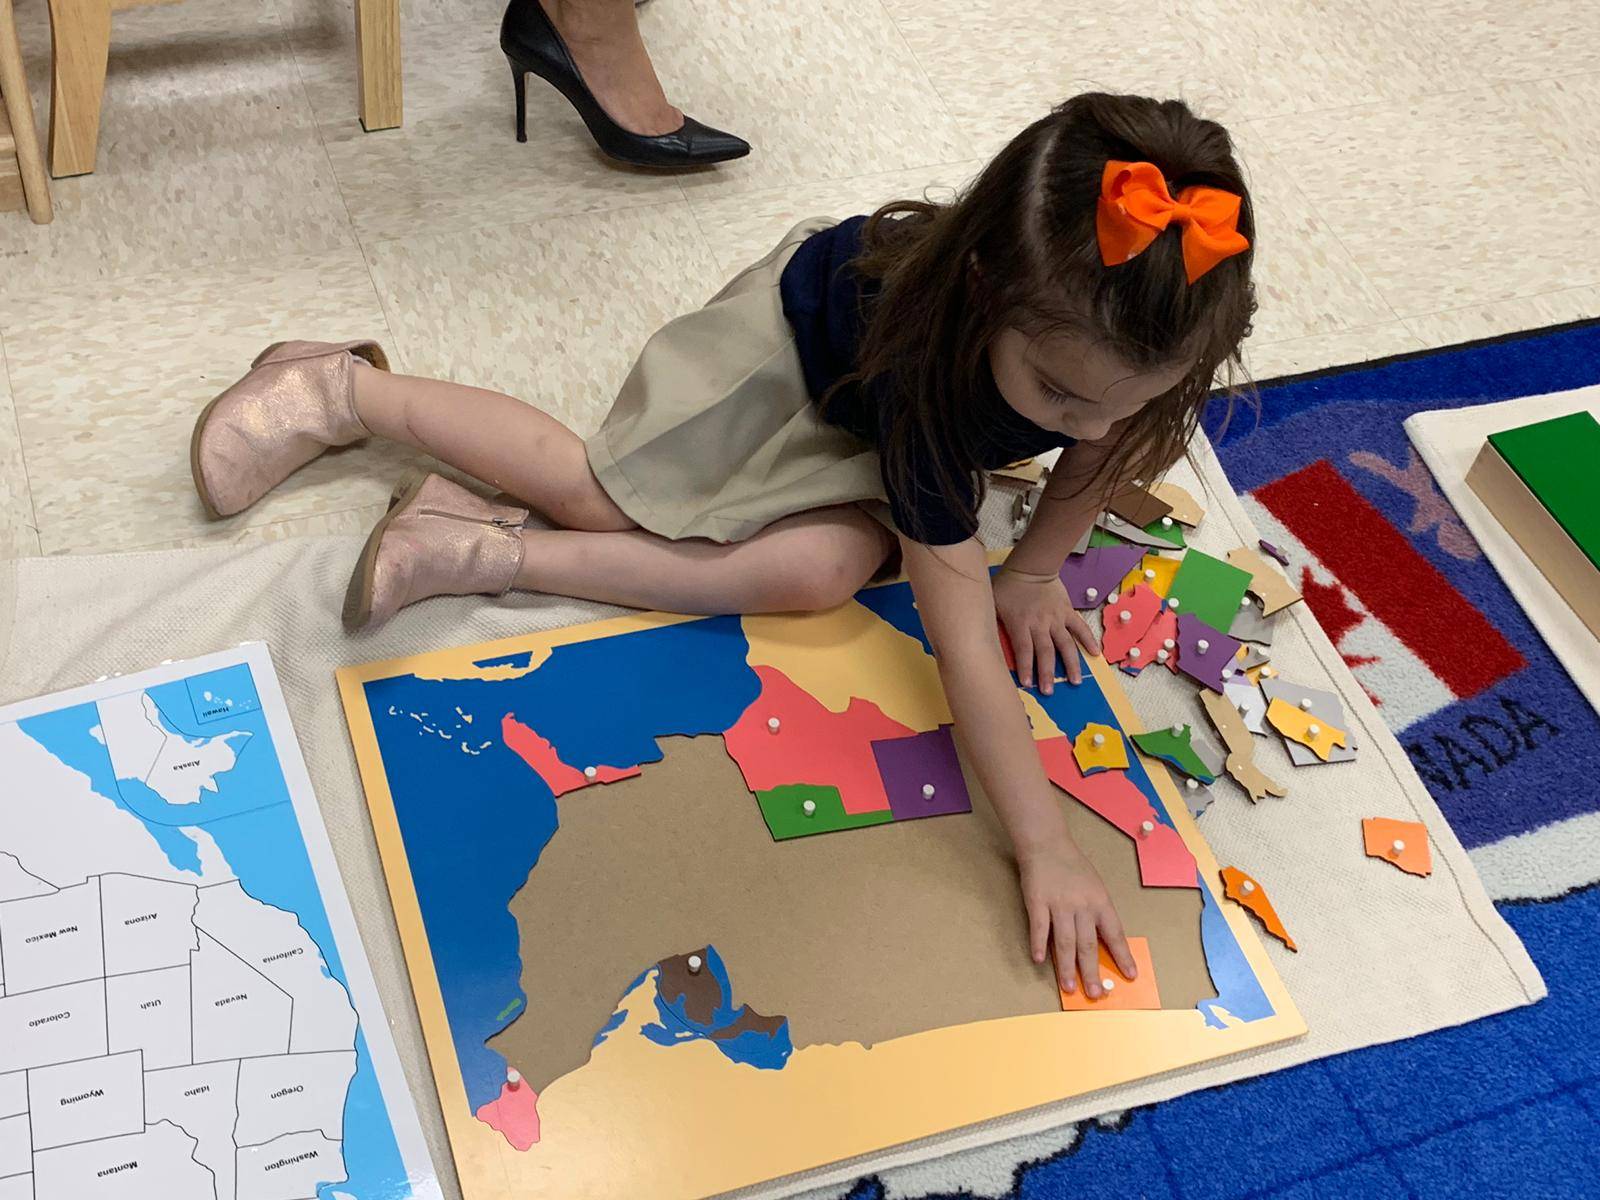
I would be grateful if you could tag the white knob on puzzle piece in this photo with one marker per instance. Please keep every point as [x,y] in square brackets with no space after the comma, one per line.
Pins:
[1113,598]
[1098,739]
[1134,652]
[1247,886]
[1125,616]
[513,1078]
[1092,593]
[927,791]
[1177,731]
[1149,572]
[1397,846]
[1313,730]
[1147,827]
[1161,656]
[1244,601]
[1168,643]
[590,772]
[1305,702]
[809,807]
[1191,784]
[1202,645]
[1166,522]
[1107,985]
[773,724]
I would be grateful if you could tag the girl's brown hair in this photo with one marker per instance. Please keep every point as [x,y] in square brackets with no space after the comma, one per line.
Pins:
[1017,248]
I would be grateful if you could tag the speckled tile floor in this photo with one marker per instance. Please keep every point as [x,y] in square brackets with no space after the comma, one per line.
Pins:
[1393,150]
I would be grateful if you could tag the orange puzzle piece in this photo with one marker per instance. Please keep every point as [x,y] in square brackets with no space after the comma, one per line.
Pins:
[1125,994]
[1300,726]
[1403,843]
[1239,887]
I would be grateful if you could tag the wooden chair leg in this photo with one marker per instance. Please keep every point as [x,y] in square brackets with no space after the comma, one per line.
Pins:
[19,114]
[378,63]
[80,34]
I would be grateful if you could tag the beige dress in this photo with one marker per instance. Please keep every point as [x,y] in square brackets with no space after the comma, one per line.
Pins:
[714,433]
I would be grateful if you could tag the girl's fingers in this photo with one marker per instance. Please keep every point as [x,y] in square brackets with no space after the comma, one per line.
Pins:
[1022,652]
[1066,943]
[1045,652]
[1111,933]
[1038,930]
[1088,954]
[1070,666]
[1082,633]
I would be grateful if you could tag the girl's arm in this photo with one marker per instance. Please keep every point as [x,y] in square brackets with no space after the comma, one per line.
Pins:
[1028,595]
[1067,904]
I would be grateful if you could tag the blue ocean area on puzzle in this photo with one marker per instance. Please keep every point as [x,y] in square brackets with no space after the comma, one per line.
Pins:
[252,819]
[605,702]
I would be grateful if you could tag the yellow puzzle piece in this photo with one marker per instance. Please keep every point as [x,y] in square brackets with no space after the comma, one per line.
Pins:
[1099,748]
[1300,726]
[1154,572]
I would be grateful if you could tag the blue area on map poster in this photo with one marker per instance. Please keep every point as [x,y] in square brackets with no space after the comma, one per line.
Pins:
[475,823]
[218,695]
[1238,990]
[753,1047]
[67,734]
[518,660]
[252,820]
[894,603]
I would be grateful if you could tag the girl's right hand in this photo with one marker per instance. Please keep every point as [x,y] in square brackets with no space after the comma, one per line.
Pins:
[1070,912]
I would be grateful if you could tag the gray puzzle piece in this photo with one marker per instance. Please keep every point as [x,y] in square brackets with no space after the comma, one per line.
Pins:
[1196,796]
[1252,659]
[1252,705]
[1323,704]
[1251,626]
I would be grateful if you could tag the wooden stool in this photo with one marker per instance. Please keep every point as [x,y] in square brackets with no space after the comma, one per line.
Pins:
[80,32]
[22,176]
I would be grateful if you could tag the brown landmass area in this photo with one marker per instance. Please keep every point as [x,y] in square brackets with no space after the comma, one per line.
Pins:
[857,936]
[700,994]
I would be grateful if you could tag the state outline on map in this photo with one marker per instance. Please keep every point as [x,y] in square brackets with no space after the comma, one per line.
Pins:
[141,738]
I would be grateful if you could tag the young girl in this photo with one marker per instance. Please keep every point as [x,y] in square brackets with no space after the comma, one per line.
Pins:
[830,415]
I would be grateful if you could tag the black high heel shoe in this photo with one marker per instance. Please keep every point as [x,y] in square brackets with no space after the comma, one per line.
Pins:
[532,44]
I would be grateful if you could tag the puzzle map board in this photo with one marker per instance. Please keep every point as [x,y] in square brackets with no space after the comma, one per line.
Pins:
[186,1012]
[566,817]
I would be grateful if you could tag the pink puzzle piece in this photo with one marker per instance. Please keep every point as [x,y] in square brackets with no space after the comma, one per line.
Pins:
[539,754]
[1204,654]
[1127,621]
[1153,647]
[1164,861]
[514,1114]
[811,743]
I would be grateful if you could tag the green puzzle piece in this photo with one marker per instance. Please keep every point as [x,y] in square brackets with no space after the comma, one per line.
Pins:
[1099,537]
[1171,534]
[1174,749]
[782,808]
[1209,588]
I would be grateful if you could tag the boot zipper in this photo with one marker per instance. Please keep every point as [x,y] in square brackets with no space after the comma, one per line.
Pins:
[498,522]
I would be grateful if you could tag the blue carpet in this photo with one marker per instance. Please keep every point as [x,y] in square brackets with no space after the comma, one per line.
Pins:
[1508,1106]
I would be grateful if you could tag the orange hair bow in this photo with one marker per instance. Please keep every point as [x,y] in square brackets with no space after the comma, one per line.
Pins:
[1135,207]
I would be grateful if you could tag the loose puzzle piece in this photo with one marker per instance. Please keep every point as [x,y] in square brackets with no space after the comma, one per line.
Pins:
[1249,625]
[1164,861]
[1241,748]
[1250,657]
[922,774]
[1093,575]
[787,736]
[1168,531]
[1154,571]
[1126,621]
[1172,746]
[801,809]
[1158,645]
[1276,553]
[1207,751]
[1297,725]
[1185,508]
[1119,994]
[1247,698]
[1197,797]
[1205,655]
[1112,523]
[1099,748]
[1317,702]
[1239,887]
[1137,506]
[1403,843]
[1266,581]
[1208,588]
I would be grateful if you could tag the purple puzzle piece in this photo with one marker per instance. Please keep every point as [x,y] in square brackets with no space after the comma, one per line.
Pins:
[907,765]
[1101,568]
[1204,666]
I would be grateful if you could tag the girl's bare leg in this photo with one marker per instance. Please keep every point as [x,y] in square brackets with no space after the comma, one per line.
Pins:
[809,561]
[493,437]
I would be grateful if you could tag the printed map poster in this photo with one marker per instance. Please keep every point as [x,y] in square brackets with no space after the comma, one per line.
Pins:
[693,904]
[186,1012]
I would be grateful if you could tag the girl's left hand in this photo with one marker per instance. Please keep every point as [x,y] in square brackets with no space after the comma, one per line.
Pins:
[1039,618]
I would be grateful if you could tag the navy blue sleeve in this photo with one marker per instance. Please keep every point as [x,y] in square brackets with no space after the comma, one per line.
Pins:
[920,508]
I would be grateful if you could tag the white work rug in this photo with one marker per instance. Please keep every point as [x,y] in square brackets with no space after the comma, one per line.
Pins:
[1383,955]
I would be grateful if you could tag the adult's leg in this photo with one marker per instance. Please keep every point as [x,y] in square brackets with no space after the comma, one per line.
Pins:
[493,437]
[604,38]
[812,560]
